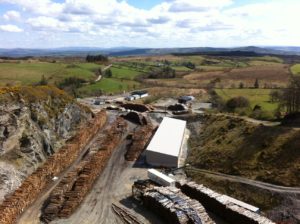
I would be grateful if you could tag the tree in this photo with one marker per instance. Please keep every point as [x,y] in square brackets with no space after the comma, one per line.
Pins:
[256,84]
[108,73]
[189,65]
[237,102]
[241,85]
[43,81]
[291,96]
[96,58]
[275,96]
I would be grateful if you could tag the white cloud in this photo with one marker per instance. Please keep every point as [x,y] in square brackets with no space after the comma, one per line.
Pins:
[170,23]
[197,5]
[10,28]
[40,7]
[12,15]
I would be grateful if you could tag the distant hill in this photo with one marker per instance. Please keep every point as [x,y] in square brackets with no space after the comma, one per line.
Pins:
[130,51]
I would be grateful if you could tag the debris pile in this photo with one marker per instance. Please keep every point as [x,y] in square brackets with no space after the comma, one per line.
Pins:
[125,215]
[219,204]
[137,107]
[136,118]
[139,140]
[30,189]
[68,195]
[177,107]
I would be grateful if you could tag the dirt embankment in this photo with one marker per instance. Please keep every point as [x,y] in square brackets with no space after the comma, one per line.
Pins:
[237,147]
[30,189]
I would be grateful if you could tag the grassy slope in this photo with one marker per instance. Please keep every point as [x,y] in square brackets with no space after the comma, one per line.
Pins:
[26,73]
[256,97]
[109,85]
[234,146]
[296,69]
[124,73]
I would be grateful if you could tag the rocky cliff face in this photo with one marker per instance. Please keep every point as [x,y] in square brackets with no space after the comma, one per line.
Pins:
[34,123]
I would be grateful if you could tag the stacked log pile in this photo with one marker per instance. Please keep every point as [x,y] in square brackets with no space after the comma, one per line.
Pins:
[68,195]
[139,141]
[137,107]
[174,207]
[137,118]
[219,205]
[30,189]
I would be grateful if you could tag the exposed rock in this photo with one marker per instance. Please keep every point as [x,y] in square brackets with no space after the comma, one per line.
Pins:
[34,123]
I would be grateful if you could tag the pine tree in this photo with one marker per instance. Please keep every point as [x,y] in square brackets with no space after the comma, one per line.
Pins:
[256,84]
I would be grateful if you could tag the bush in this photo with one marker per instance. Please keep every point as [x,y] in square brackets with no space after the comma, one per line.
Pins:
[237,102]
[71,81]
[262,115]
[246,111]
[96,58]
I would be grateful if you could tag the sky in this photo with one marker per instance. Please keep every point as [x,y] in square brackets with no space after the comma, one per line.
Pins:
[148,23]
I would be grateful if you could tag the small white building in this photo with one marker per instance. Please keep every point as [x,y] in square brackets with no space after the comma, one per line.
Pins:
[165,147]
[160,178]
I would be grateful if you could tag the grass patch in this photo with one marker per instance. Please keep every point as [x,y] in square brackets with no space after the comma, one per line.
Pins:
[124,73]
[109,85]
[296,69]
[268,59]
[26,73]
[259,97]
[181,68]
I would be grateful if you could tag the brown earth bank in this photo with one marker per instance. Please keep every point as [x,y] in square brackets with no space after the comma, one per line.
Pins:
[237,147]
[15,203]
[35,121]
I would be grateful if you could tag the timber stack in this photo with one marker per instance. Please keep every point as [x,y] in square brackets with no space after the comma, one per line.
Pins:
[69,194]
[30,189]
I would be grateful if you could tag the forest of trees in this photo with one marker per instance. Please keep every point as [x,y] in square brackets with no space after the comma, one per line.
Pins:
[164,73]
[96,58]
[290,98]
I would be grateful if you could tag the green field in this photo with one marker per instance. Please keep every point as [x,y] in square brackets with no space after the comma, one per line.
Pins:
[124,73]
[296,69]
[181,69]
[109,85]
[26,73]
[259,97]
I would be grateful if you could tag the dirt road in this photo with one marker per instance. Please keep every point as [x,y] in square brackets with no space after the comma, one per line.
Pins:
[103,70]
[260,184]
[113,186]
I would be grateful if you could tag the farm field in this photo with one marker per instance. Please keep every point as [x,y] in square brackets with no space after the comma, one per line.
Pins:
[276,75]
[109,85]
[296,69]
[26,73]
[124,73]
[259,97]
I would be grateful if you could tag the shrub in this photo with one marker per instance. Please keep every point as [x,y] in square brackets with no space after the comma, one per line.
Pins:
[237,102]
[262,115]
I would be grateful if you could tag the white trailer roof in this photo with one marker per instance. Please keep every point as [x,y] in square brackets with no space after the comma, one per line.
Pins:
[160,175]
[168,137]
